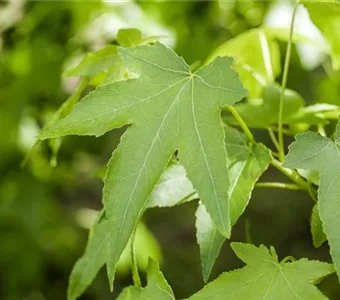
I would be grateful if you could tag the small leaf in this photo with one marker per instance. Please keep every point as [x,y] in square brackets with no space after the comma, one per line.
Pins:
[312,151]
[266,113]
[246,164]
[156,289]
[257,67]
[314,114]
[326,16]
[264,277]
[129,37]
[318,235]
[94,63]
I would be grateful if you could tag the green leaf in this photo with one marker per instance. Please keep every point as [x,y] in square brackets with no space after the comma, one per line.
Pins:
[283,33]
[326,16]
[318,234]
[157,287]
[145,244]
[314,114]
[93,259]
[266,113]
[246,163]
[312,151]
[264,277]
[209,240]
[94,63]
[170,109]
[258,67]
[129,37]
[173,188]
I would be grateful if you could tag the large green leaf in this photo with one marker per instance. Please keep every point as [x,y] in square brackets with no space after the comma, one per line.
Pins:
[266,113]
[157,287]
[170,109]
[326,16]
[246,163]
[264,277]
[312,151]
[257,59]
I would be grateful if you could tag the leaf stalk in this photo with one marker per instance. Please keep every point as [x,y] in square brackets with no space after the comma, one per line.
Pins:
[284,84]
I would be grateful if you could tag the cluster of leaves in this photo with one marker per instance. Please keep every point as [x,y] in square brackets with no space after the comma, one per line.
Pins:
[176,149]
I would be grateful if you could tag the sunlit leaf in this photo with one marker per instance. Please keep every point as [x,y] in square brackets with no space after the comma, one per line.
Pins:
[257,59]
[326,16]
[129,37]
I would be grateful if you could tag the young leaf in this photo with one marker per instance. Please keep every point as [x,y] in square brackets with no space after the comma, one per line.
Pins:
[312,151]
[129,37]
[318,235]
[257,59]
[265,114]
[156,289]
[315,114]
[264,277]
[326,16]
[246,164]
[94,63]
[170,108]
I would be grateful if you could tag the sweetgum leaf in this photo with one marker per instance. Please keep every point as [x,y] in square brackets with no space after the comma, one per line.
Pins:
[264,277]
[312,151]
[246,163]
[170,108]
[157,287]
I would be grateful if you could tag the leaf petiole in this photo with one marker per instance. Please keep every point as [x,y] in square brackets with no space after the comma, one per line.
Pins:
[134,265]
[242,124]
[284,84]
[278,185]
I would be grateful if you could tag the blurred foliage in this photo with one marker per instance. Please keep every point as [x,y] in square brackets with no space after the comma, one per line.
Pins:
[40,233]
